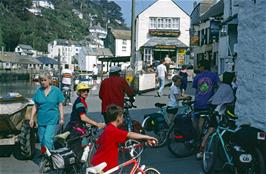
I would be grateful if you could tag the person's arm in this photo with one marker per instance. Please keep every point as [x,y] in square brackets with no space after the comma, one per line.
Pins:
[86,119]
[151,140]
[101,91]
[61,111]
[182,97]
[33,113]
[127,89]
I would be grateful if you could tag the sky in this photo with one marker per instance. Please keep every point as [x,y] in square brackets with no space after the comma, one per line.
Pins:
[140,5]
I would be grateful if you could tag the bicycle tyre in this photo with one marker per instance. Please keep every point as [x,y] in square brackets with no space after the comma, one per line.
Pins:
[91,153]
[161,136]
[151,170]
[210,155]
[257,166]
[175,144]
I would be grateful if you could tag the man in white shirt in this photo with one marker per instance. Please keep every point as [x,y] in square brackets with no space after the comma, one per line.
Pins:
[66,76]
[161,72]
[94,74]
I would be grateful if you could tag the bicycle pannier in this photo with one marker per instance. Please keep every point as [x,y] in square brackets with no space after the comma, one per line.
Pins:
[184,125]
[63,158]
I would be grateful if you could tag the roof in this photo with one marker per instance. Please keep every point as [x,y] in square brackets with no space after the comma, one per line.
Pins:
[19,59]
[164,41]
[47,60]
[156,2]
[215,10]
[115,59]
[97,51]
[61,41]
[121,34]
[96,27]
[26,47]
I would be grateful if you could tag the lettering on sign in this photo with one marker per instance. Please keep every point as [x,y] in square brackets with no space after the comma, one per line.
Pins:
[164,33]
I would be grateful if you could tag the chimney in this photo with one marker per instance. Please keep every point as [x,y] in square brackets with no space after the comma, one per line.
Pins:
[2,52]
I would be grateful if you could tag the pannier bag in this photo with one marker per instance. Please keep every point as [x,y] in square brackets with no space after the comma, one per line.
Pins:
[183,124]
[156,122]
[63,158]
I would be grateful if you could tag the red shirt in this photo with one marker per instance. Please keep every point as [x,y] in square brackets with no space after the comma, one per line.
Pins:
[108,146]
[112,91]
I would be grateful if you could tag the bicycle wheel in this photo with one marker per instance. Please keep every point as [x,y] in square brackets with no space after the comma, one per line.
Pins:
[178,145]
[151,171]
[45,166]
[209,155]
[161,136]
[257,165]
[91,153]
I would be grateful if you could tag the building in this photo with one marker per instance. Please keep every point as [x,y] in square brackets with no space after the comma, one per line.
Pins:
[42,3]
[48,63]
[250,64]
[97,36]
[206,19]
[119,42]
[67,50]
[161,32]
[89,56]
[25,50]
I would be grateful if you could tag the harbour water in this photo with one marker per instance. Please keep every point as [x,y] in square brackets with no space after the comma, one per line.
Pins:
[24,87]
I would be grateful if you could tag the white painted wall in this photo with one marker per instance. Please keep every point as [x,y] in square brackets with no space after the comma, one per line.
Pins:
[251,63]
[118,48]
[158,10]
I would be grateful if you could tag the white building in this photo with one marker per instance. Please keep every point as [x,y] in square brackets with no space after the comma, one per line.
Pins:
[66,49]
[119,42]
[97,35]
[23,49]
[251,63]
[89,56]
[78,13]
[162,29]
[42,3]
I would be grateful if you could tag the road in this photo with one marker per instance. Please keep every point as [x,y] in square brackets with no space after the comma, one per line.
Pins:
[159,158]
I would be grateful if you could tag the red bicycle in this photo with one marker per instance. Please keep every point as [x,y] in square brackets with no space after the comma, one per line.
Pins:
[135,153]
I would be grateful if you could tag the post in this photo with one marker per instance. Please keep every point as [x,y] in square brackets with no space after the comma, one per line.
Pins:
[133,50]
[59,71]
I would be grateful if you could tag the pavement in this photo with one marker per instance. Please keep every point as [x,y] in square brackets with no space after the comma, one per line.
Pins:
[159,158]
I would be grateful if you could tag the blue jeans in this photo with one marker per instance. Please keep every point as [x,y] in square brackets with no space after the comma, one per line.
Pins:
[46,135]
[161,85]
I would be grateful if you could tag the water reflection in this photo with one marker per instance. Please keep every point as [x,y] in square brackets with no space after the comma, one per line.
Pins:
[25,88]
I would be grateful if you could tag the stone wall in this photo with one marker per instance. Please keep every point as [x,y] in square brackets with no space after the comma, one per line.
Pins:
[251,63]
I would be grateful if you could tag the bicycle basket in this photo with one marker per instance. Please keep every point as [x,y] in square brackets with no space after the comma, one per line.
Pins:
[63,158]
[183,124]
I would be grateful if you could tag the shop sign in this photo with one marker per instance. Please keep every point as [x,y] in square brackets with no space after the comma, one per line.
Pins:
[194,40]
[182,51]
[164,33]
[165,46]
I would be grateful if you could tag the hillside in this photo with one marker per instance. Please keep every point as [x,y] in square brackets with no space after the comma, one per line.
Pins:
[19,26]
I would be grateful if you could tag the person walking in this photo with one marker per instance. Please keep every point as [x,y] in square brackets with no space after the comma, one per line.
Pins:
[48,105]
[161,73]
[95,72]
[113,90]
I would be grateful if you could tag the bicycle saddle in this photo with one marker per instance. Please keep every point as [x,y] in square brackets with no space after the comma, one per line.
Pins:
[159,105]
[97,169]
[63,135]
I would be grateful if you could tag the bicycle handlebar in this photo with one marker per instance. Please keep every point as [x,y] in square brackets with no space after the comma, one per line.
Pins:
[129,102]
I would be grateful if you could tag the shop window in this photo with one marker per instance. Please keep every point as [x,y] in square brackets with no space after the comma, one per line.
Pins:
[148,55]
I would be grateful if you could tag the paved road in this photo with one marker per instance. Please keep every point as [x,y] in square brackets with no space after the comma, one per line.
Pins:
[159,158]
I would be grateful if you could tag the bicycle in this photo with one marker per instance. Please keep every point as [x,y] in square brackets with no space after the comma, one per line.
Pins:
[134,153]
[183,139]
[65,159]
[239,158]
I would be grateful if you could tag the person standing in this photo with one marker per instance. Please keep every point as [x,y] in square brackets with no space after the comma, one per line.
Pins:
[95,72]
[113,90]
[205,84]
[48,104]
[184,76]
[161,73]
[66,76]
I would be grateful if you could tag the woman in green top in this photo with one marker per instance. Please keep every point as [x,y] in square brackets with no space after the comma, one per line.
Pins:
[49,108]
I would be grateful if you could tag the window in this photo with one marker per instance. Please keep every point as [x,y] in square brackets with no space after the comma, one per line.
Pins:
[164,23]
[148,55]
[124,48]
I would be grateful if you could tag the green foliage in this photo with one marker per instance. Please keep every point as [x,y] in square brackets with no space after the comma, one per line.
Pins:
[18,26]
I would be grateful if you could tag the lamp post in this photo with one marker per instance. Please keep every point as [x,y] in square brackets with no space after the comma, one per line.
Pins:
[59,71]
[133,48]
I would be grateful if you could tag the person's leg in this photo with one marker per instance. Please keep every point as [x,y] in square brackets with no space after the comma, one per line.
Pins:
[49,136]
[160,86]
[41,133]
[161,82]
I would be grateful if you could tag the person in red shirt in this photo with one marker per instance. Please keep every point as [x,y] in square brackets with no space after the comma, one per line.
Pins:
[108,141]
[113,90]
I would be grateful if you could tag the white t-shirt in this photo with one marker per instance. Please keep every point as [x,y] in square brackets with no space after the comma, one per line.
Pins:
[161,70]
[67,75]
[174,90]
[95,70]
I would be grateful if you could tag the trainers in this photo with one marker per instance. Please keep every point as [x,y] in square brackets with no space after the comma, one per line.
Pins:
[199,155]
[158,94]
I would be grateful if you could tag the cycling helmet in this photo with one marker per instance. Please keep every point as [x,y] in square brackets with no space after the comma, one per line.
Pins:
[83,86]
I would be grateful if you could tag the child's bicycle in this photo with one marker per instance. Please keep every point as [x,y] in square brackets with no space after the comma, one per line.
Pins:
[134,153]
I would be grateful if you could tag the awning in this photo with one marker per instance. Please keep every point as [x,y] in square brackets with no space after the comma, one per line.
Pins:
[232,20]
[164,41]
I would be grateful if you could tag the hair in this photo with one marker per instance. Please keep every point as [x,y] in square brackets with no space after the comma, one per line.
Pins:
[117,73]
[205,63]
[113,111]
[161,61]
[46,75]
[228,77]
[183,67]
[175,78]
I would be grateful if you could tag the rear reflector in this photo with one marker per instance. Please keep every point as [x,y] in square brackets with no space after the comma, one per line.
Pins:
[179,137]
[261,136]
[43,150]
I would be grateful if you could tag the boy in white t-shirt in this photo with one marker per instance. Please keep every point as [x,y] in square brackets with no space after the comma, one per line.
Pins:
[174,97]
